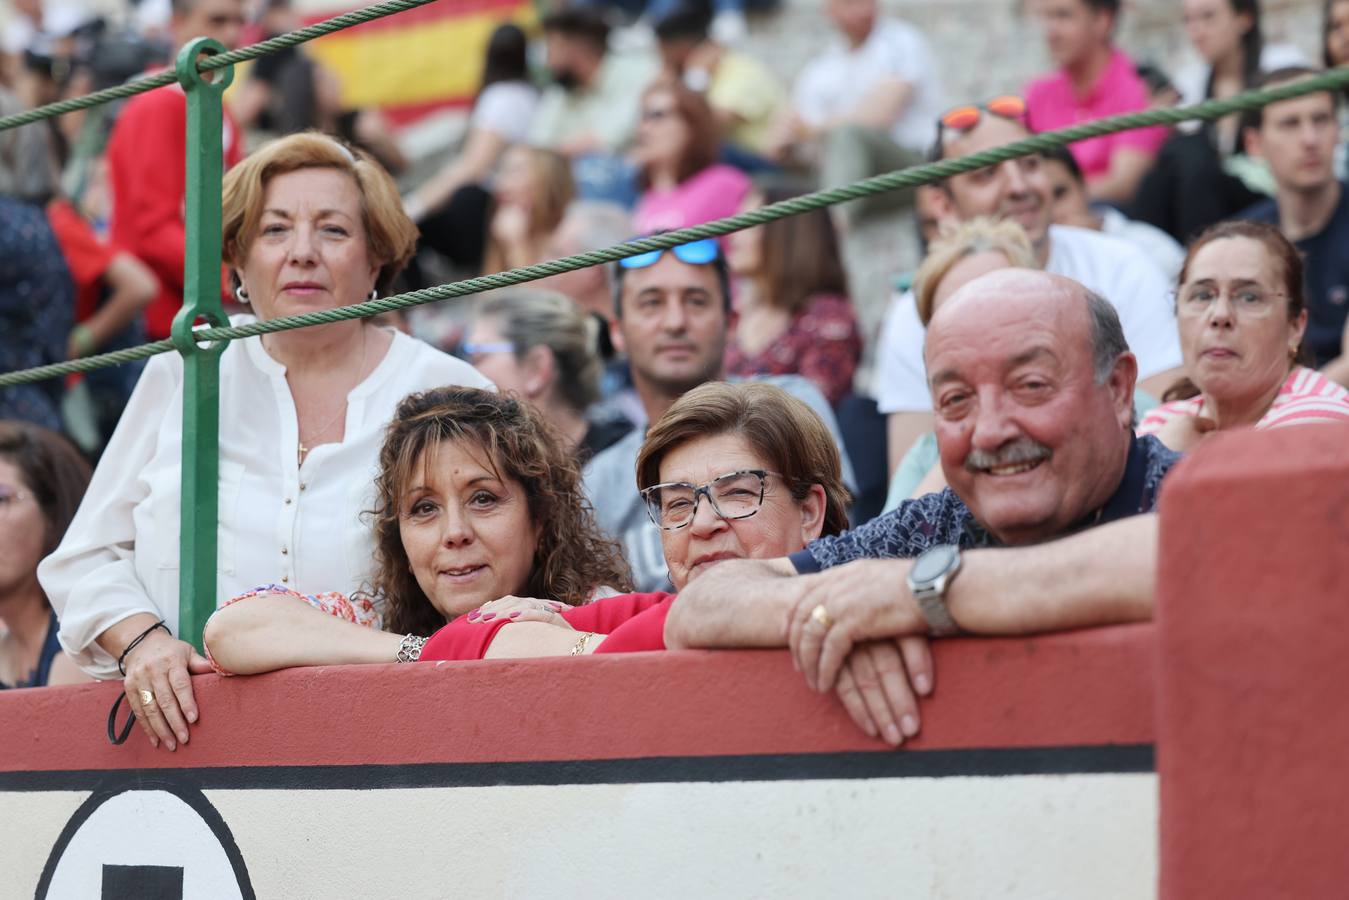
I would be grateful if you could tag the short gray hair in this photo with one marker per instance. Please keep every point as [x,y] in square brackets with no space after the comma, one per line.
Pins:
[1107,335]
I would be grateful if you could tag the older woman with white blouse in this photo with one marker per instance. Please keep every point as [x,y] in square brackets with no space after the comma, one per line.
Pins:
[308,225]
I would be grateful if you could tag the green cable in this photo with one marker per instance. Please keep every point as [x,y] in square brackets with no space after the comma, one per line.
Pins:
[253,51]
[904,178]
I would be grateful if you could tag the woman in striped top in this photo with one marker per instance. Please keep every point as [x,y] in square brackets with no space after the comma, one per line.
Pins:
[1241,313]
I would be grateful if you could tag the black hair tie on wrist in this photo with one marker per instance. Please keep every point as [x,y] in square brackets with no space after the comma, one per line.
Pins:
[115,737]
[121,660]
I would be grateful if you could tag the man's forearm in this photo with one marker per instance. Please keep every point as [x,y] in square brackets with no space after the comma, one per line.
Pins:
[1103,576]
[738,603]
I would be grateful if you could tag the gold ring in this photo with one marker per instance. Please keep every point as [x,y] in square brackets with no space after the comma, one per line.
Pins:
[147,698]
[820,616]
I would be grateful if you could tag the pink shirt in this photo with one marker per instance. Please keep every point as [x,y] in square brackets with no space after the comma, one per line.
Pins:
[713,193]
[1306,396]
[1052,104]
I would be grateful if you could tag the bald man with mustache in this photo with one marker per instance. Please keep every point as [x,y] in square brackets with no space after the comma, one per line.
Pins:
[1047,522]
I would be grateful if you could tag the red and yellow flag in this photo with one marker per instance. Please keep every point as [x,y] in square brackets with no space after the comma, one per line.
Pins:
[412,62]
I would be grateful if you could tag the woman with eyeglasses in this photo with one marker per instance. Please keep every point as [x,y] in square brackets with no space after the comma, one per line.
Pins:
[542,347]
[676,151]
[42,478]
[1242,314]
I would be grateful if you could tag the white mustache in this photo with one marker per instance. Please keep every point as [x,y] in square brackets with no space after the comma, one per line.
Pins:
[1022,450]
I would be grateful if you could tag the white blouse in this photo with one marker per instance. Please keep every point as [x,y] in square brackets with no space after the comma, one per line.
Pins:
[301,526]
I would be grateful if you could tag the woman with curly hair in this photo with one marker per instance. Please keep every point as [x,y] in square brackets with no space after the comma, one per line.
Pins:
[475,501]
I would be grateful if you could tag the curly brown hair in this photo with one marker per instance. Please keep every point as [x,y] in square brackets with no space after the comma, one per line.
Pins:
[573,557]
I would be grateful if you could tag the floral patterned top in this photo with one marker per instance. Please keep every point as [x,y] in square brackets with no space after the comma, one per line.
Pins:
[822,344]
[359,611]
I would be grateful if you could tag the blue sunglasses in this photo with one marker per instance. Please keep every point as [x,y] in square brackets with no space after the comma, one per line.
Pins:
[698,253]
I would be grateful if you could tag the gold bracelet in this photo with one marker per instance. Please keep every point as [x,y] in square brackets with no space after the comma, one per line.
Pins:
[580,646]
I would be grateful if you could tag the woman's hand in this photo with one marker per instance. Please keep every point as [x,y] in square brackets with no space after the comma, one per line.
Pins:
[521,609]
[510,224]
[163,665]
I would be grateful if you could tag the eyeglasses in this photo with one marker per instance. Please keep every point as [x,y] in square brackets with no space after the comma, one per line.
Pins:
[1245,300]
[963,118]
[472,349]
[735,495]
[696,253]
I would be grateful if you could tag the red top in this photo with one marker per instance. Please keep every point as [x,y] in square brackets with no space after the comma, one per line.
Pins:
[822,344]
[633,622]
[87,257]
[147,170]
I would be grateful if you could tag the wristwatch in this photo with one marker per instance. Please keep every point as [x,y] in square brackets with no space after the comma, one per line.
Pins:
[928,581]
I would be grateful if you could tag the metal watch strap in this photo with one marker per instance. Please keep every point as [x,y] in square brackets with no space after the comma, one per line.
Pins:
[932,604]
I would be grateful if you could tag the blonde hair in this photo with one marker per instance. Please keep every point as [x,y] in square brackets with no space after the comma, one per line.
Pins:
[979,235]
[390,234]
[554,189]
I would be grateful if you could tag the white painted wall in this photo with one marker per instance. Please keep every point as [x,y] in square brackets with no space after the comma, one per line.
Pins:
[1037,837]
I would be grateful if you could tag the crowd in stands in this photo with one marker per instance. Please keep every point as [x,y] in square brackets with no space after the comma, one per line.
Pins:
[682,449]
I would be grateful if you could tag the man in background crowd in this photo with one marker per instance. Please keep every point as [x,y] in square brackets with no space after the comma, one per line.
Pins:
[1072,206]
[672,313]
[147,163]
[1095,79]
[591,105]
[1297,139]
[1018,189]
[867,103]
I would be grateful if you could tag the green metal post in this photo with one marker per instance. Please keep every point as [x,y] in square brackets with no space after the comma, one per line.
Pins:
[201,365]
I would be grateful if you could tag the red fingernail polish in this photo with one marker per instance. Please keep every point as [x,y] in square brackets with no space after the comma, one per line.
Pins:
[473,615]
[515,615]
[489,617]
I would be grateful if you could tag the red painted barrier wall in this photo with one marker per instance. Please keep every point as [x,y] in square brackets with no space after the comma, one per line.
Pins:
[1070,690]
[1253,629]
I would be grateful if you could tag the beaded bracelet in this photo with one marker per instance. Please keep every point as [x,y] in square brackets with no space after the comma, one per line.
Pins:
[410,650]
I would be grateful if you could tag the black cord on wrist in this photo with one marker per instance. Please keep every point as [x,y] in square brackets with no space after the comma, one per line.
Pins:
[121,660]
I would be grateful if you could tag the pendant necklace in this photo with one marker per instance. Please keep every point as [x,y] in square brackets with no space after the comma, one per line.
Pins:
[301,451]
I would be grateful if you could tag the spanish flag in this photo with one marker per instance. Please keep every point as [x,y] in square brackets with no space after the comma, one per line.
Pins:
[413,62]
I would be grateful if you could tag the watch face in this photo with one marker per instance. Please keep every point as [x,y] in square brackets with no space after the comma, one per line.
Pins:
[933,564]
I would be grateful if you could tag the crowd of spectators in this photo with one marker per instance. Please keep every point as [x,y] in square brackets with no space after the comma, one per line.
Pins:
[523,474]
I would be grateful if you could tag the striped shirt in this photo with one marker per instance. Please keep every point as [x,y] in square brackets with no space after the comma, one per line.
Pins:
[1306,396]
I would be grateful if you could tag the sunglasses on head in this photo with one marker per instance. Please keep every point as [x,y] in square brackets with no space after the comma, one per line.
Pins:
[697,253]
[963,118]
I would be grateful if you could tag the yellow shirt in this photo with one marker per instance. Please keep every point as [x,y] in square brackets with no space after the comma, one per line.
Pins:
[744,86]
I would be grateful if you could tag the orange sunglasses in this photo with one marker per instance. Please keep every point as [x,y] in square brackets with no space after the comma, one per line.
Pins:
[963,118]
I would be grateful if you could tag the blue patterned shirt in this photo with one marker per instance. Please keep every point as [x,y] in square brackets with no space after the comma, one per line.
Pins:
[935,519]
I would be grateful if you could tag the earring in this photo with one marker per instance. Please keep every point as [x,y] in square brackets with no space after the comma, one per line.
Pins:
[374,294]
[241,295]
